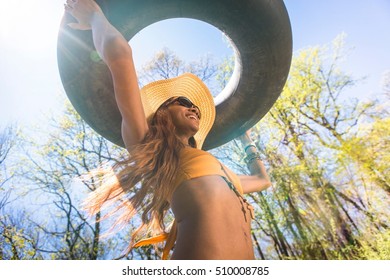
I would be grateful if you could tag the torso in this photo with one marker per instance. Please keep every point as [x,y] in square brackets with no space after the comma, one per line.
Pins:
[210,221]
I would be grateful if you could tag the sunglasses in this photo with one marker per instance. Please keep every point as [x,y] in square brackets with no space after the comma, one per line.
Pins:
[183,101]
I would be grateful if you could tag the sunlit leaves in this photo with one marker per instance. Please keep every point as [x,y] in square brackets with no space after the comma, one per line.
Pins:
[328,159]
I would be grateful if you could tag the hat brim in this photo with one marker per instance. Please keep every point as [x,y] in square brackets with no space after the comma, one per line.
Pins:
[188,85]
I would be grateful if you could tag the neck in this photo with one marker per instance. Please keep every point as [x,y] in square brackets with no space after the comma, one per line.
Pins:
[184,140]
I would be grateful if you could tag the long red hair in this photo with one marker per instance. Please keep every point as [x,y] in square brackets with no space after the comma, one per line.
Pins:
[143,182]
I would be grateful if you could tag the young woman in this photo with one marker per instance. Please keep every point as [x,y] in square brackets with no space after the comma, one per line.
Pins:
[163,127]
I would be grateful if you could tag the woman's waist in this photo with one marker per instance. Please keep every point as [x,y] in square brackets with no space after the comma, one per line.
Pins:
[213,231]
[204,199]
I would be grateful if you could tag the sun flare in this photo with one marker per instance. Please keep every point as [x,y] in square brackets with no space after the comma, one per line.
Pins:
[26,24]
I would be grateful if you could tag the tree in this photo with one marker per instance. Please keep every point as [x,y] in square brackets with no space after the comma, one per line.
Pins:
[315,210]
[54,171]
[7,141]
[18,238]
[166,64]
[386,83]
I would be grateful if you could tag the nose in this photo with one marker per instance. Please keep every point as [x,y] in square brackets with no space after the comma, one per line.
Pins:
[196,111]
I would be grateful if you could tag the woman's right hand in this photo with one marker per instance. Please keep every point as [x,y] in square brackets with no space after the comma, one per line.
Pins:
[115,51]
[82,11]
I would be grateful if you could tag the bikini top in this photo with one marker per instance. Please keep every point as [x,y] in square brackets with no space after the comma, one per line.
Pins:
[193,163]
[196,163]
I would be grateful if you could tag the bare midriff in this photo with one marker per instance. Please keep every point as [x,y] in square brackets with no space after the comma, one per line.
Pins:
[210,221]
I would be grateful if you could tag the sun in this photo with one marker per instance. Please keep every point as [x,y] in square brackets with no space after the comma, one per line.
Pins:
[30,25]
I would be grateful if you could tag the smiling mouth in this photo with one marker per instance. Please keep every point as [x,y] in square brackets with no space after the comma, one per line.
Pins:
[192,117]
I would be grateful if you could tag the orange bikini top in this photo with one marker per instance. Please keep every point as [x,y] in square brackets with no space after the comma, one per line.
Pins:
[196,163]
[193,163]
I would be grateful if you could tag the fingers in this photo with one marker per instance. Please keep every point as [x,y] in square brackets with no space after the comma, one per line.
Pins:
[67,8]
[81,11]
[69,5]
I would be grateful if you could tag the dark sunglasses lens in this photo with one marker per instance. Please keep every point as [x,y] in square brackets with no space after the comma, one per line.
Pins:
[185,102]
[189,104]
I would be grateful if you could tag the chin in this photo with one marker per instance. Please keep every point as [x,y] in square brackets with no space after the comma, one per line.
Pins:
[195,129]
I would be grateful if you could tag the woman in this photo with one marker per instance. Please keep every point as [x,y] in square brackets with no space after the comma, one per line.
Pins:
[163,127]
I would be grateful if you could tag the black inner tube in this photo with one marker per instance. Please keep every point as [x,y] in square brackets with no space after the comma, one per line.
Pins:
[259,29]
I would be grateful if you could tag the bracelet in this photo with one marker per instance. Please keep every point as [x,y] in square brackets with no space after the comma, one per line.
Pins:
[250,145]
[251,157]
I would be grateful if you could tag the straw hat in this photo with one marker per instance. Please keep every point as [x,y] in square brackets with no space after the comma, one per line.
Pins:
[188,85]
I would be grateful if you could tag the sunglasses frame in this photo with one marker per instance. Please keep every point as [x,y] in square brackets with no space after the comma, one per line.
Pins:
[187,103]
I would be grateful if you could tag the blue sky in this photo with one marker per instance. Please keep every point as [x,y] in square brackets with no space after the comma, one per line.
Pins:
[30,86]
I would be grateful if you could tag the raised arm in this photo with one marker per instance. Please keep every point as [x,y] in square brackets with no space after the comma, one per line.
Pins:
[117,54]
[258,180]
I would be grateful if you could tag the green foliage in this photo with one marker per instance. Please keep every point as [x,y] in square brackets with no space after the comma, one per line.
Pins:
[328,159]
[376,247]
[18,240]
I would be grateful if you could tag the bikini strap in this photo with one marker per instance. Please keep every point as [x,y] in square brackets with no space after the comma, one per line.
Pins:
[169,239]
[228,180]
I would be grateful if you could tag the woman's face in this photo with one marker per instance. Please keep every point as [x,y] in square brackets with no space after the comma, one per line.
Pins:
[186,120]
